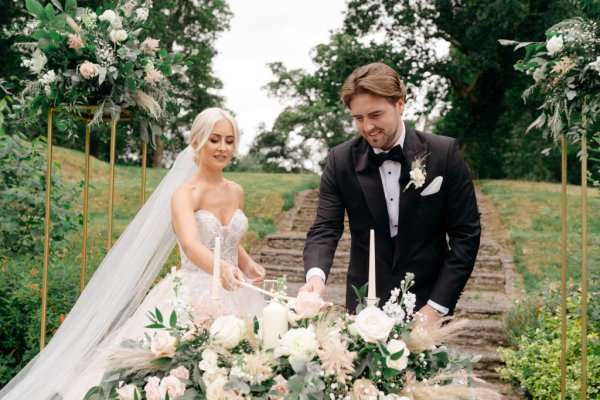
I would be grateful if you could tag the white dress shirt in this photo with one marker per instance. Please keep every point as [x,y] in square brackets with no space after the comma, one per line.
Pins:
[390,179]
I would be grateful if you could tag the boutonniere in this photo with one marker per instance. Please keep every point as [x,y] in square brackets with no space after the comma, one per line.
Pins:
[417,173]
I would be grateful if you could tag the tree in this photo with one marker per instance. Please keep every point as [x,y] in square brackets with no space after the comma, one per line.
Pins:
[474,79]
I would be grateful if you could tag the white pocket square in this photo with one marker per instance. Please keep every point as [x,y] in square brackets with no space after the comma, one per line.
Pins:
[433,187]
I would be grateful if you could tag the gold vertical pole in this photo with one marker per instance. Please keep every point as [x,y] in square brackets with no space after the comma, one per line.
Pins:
[86,187]
[111,183]
[584,264]
[46,233]
[144,154]
[563,286]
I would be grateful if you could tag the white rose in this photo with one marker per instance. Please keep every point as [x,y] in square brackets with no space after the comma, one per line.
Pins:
[110,16]
[89,70]
[163,344]
[118,35]
[227,331]
[300,345]
[141,14]
[173,386]
[396,346]
[38,61]
[215,390]
[128,392]
[373,325]
[554,44]
[209,361]
[418,177]
[539,73]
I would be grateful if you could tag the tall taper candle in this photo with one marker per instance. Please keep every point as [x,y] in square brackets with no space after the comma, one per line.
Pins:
[216,282]
[372,293]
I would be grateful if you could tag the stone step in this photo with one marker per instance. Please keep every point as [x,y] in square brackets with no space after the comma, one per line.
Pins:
[292,260]
[486,281]
[506,390]
[483,305]
[488,263]
[490,359]
[479,332]
[295,241]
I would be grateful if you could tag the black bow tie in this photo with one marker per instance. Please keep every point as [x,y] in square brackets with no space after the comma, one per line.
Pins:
[395,154]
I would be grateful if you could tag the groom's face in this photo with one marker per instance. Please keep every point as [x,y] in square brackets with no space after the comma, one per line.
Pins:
[377,119]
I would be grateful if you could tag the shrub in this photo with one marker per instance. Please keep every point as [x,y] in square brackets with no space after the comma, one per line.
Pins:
[20,308]
[535,364]
[23,198]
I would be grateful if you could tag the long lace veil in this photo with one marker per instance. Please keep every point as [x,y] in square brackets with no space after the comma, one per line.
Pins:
[111,296]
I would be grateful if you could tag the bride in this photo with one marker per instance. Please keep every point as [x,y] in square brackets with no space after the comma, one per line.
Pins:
[193,205]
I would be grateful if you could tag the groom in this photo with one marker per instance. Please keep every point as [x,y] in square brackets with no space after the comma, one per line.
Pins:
[412,188]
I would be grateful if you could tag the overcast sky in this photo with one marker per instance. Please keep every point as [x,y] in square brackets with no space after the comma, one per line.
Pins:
[264,31]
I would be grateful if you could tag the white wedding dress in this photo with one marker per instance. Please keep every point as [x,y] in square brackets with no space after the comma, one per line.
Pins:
[115,300]
[193,288]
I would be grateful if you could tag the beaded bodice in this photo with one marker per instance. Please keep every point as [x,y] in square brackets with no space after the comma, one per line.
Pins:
[210,228]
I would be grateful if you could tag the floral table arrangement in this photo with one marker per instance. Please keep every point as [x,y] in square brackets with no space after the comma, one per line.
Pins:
[99,57]
[203,353]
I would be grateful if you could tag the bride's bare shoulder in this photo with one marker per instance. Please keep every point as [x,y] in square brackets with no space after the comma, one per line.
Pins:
[184,195]
[238,190]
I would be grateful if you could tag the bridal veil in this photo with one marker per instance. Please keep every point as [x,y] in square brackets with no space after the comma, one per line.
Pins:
[111,296]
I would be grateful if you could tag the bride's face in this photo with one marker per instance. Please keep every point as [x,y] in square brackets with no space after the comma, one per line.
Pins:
[220,145]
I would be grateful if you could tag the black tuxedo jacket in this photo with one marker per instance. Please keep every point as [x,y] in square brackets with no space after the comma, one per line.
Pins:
[350,183]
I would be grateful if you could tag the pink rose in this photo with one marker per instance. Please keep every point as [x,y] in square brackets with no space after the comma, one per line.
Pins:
[153,389]
[180,372]
[173,386]
[306,305]
[75,42]
[89,70]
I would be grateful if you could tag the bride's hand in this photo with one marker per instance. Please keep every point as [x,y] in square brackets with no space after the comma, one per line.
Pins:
[255,272]
[231,277]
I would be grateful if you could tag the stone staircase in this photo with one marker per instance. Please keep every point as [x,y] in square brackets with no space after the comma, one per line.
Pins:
[490,292]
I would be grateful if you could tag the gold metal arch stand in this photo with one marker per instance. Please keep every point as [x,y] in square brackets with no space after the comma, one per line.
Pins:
[86,113]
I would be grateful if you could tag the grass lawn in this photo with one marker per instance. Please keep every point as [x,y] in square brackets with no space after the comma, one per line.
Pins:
[531,212]
[266,196]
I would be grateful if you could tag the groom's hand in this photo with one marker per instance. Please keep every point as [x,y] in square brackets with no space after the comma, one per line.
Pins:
[314,284]
[427,317]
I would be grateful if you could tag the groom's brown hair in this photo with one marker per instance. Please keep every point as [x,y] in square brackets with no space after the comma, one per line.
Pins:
[375,78]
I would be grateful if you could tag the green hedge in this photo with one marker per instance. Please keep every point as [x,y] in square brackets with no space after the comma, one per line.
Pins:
[20,308]
[535,364]
[23,198]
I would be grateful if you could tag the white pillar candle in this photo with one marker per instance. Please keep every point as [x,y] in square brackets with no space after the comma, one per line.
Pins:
[216,281]
[274,324]
[372,293]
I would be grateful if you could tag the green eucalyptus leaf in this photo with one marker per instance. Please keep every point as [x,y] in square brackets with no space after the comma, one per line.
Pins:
[36,9]
[50,12]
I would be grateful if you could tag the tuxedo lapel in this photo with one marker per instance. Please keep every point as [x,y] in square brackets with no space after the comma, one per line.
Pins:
[371,185]
[409,198]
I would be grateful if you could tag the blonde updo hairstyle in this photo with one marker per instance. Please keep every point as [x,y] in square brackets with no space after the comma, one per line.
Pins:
[203,125]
